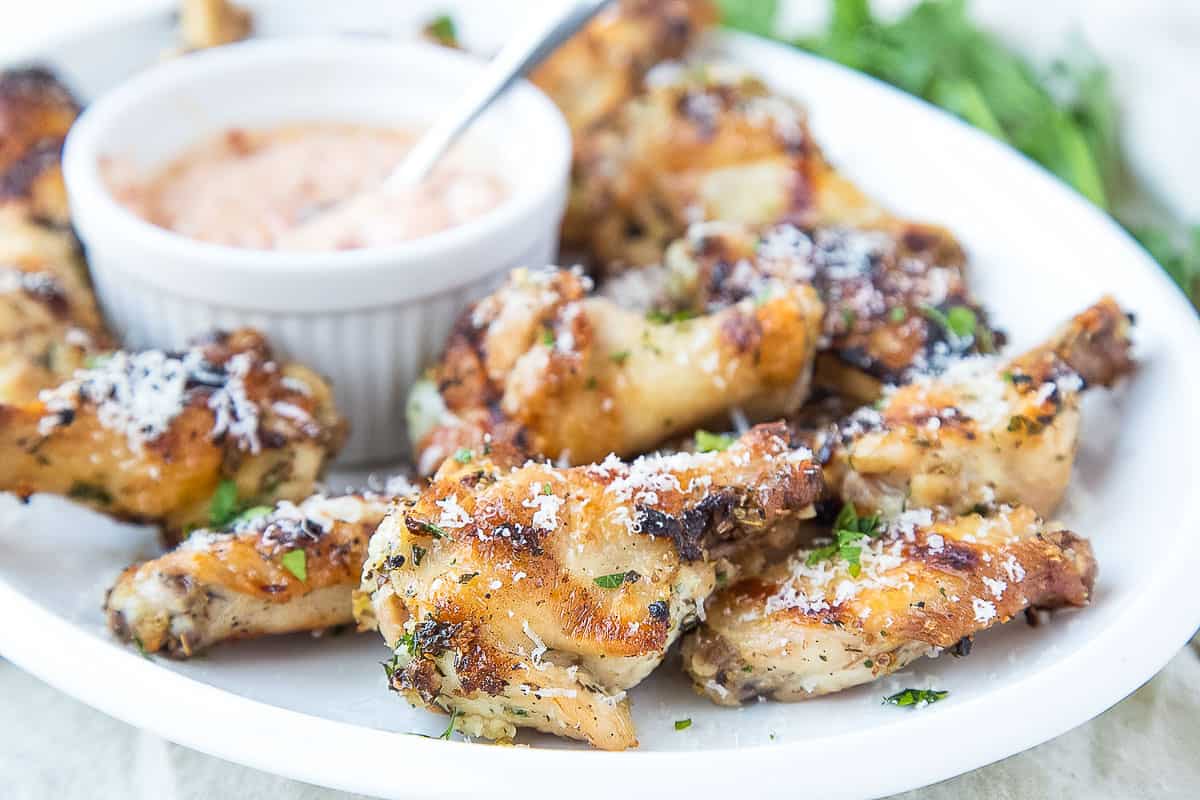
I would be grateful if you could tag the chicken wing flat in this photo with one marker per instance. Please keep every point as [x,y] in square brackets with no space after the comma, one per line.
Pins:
[154,436]
[704,142]
[36,111]
[818,623]
[602,67]
[570,376]
[535,596]
[292,568]
[985,430]
[896,298]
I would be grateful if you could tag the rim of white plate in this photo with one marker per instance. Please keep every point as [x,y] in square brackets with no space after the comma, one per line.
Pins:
[377,762]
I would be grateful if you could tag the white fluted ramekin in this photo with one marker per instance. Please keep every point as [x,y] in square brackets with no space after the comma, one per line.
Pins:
[369,319]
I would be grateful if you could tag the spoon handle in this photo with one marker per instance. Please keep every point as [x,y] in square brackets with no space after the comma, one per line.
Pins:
[523,52]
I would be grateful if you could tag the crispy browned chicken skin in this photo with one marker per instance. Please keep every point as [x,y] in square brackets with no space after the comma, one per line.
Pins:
[809,626]
[247,581]
[535,596]
[896,298]
[150,436]
[558,372]
[602,67]
[36,111]
[986,430]
[705,142]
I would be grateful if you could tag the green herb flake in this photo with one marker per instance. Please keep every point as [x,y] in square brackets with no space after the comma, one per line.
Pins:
[443,30]
[418,553]
[254,512]
[547,489]
[548,337]
[611,581]
[898,314]
[450,728]
[464,455]
[683,724]
[665,318]
[707,442]
[296,562]
[224,505]
[915,697]
[433,530]
[619,357]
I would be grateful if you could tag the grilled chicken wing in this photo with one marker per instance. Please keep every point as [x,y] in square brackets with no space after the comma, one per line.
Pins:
[809,626]
[602,67]
[896,299]
[151,436]
[985,430]
[574,377]
[703,143]
[247,580]
[36,111]
[534,596]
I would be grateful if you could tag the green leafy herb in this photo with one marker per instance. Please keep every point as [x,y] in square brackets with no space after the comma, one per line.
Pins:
[90,491]
[442,30]
[849,529]
[960,321]
[391,666]
[898,314]
[296,562]
[665,317]
[547,489]
[96,361]
[409,643]
[418,553]
[915,697]
[548,337]
[254,512]
[141,647]
[464,455]
[683,724]
[610,581]
[619,357]
[707,442]
[224,505]
[450,728]
[433,530]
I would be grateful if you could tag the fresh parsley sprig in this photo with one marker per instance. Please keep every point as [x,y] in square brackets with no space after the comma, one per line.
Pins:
[849,530]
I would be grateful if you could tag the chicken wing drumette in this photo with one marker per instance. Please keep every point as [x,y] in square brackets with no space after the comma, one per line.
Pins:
[49,323]
[283,570]
[704,142]
[896,299]
[820,623]
[985,430]
[153,436]
[535,596]
[542,364]
[602,67]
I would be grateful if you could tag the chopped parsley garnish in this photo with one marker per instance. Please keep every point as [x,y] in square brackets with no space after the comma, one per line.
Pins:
[915,697]
[619,356]
[548,337]
[610,581]
[547,489]
[849,529]
[1018,424]
[683,724]
[418,553]
[450,728]
[296,562]
[464,455]
[443,30]
[409,642]
[141,648]
[224,505]
[391,666]
[960,321]
[663,317]
[433,530]
[254,512]
[707,442]
[898,314]
[90,491]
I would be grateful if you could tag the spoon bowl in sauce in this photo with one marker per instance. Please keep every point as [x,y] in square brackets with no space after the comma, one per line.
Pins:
[198,189]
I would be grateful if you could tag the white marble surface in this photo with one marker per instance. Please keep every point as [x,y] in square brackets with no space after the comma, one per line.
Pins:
[53,746]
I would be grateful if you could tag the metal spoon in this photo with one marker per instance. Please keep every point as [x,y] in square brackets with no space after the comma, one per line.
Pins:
[522,53]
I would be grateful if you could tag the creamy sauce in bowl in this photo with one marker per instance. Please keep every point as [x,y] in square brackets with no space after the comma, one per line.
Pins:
[304,187]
